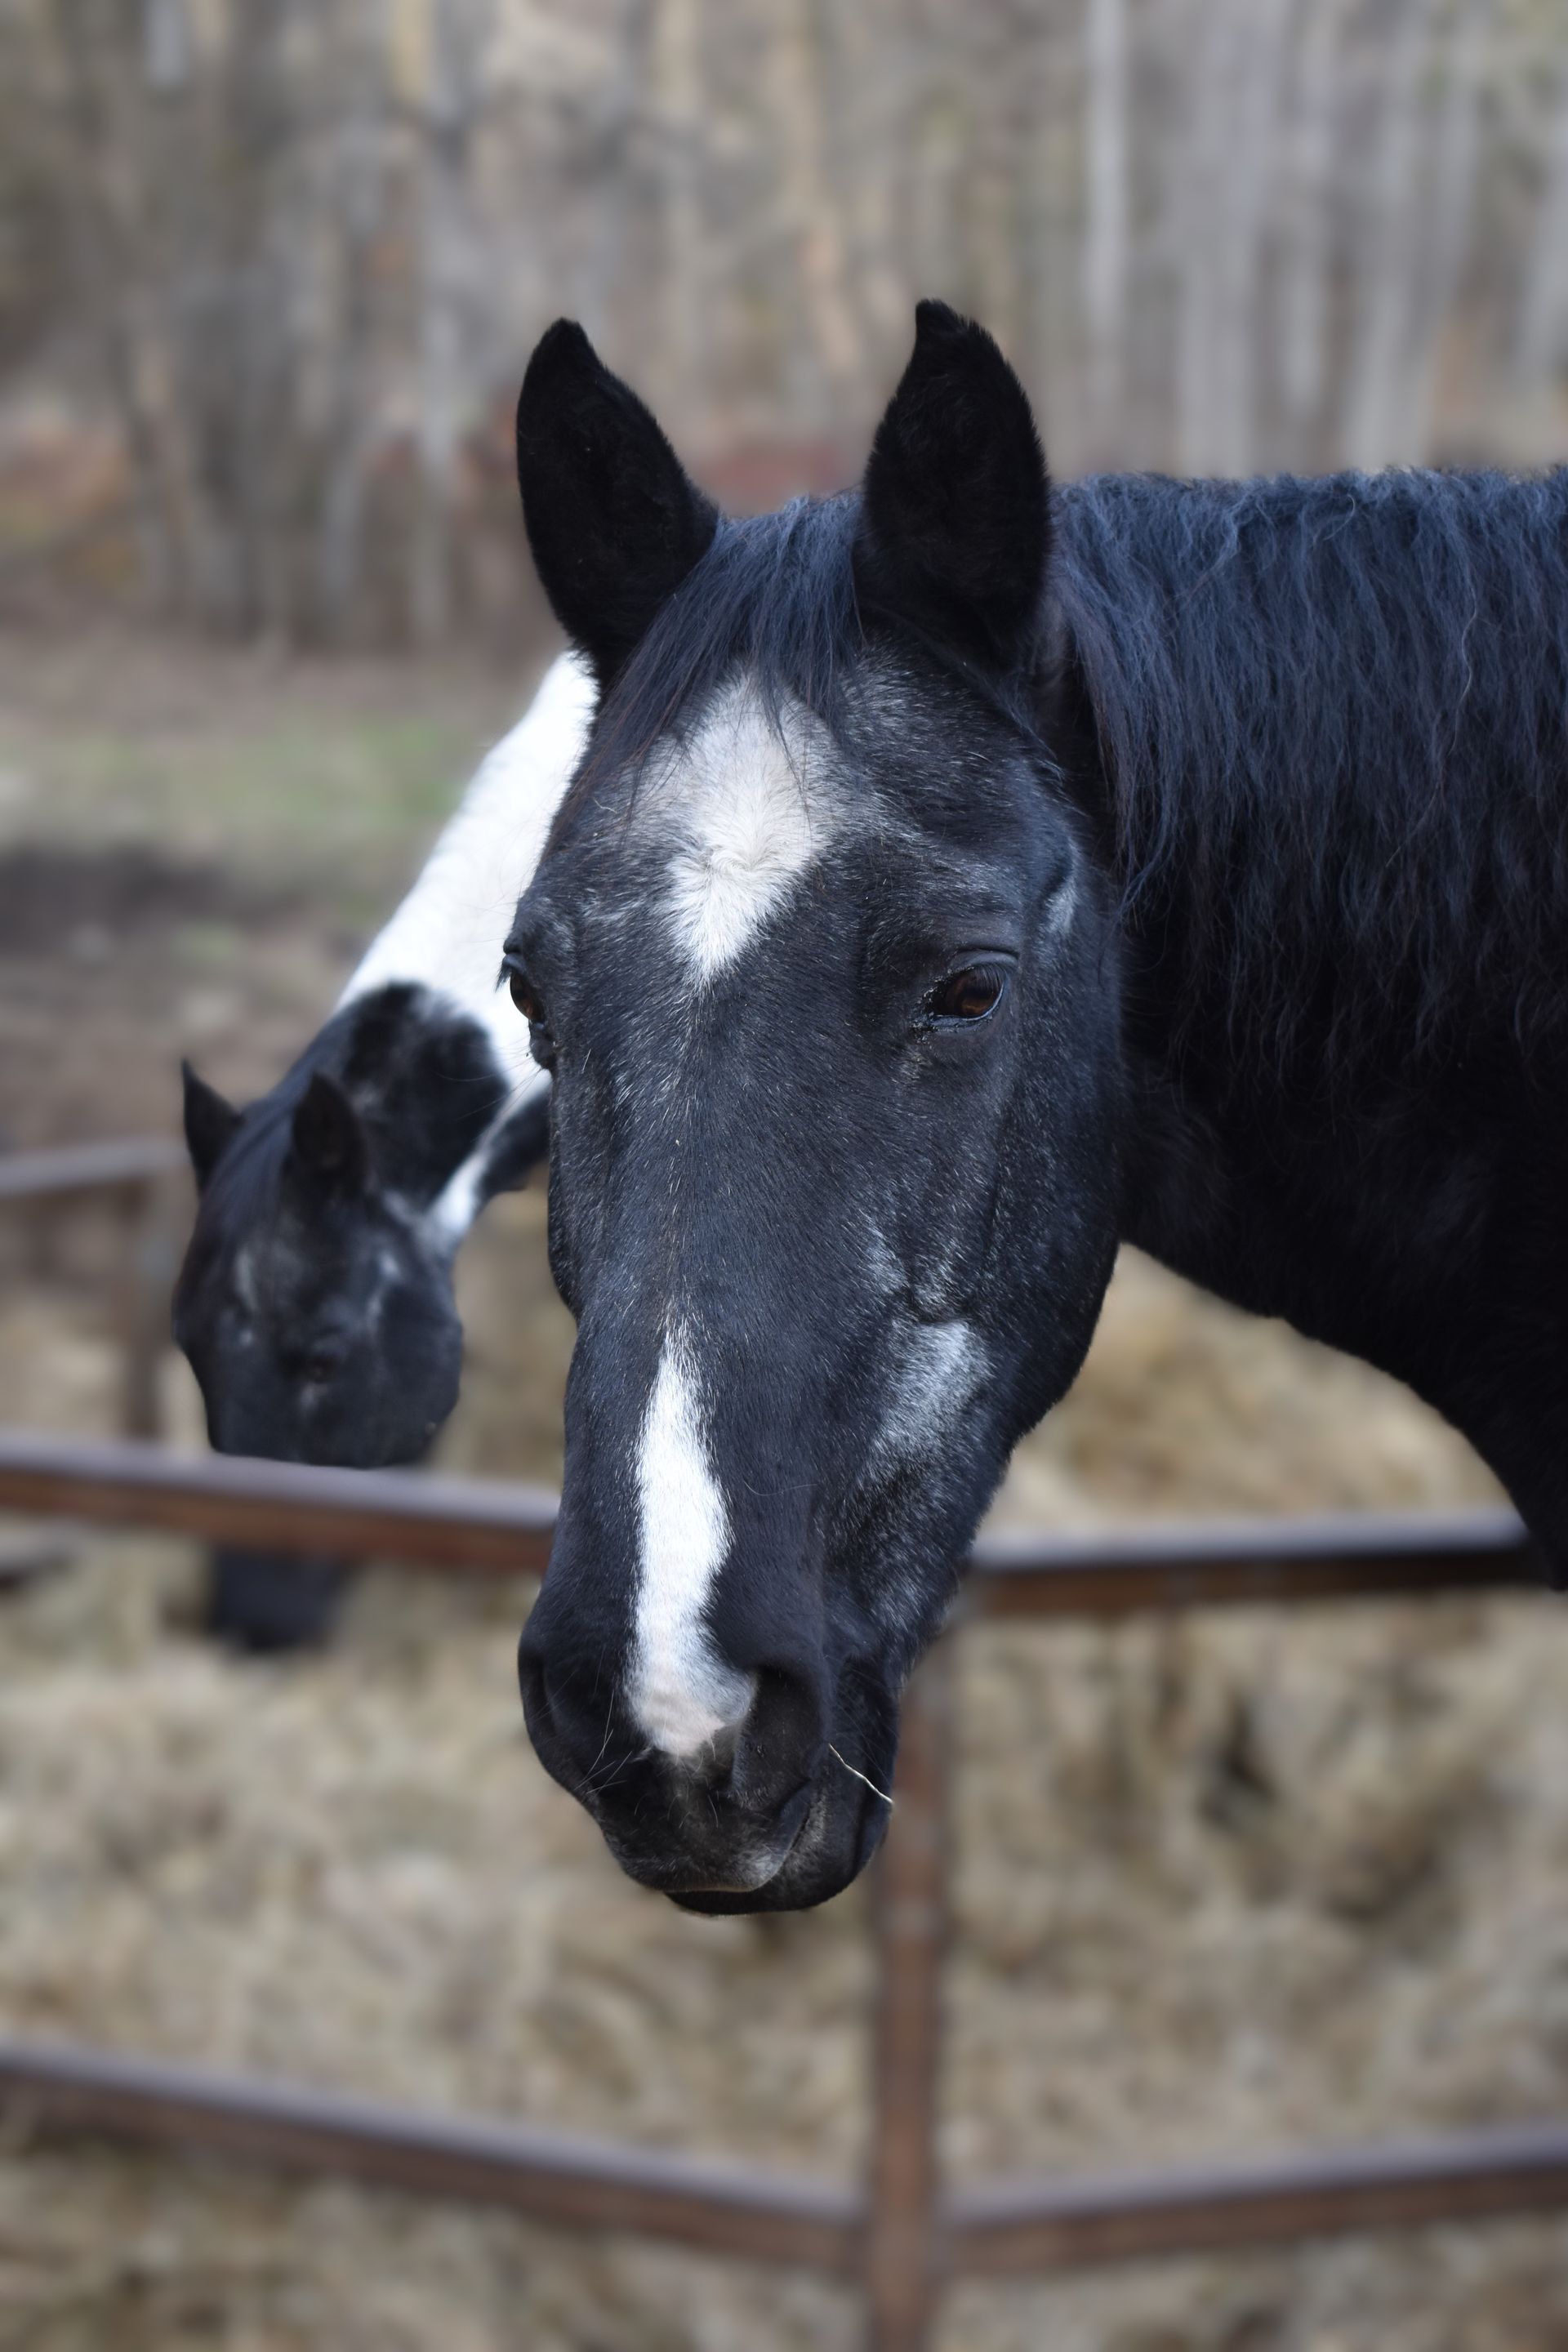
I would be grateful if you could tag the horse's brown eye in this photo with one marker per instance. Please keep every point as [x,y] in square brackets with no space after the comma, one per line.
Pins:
[969,995]
[524,996]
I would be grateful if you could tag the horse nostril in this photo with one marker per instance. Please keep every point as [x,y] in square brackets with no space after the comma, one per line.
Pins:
[779,1745]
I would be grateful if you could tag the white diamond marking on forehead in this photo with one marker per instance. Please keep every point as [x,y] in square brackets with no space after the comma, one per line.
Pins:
[682,1691]
[748,813]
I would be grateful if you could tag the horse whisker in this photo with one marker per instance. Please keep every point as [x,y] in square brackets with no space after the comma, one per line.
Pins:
[861,1776]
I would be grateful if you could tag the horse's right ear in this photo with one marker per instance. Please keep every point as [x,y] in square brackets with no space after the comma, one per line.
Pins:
[613,524]
[209,1123]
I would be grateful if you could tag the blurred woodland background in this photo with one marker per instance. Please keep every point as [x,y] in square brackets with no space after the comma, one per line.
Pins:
[269,272]
[270,268]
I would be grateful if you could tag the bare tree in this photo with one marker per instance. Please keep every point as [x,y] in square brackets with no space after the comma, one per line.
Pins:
[1376,427]
[315,237]
[1235,86]
[812,237]
[1307,216]
[1541,336]
[1105,237]
[1448,216]
[104,243]
[460,31]
[358,168]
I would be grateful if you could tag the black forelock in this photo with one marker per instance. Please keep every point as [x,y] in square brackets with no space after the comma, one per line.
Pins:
[775,595]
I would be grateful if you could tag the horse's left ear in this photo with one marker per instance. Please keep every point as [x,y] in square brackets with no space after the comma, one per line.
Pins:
[210,1124]
[955,528]
[329,1148]
[614,522]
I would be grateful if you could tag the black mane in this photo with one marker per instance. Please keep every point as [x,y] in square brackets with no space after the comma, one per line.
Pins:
[1333,716]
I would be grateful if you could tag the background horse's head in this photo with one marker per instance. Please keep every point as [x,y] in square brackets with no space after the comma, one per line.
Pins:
[823,968]
[315,1302]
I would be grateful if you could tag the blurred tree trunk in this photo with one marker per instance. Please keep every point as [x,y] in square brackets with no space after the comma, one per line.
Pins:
[1541,336]
[105,251]
[867,94]
[812,238]
[1217,232]
[1307,218]
[1232,65]
[459,36]
[1448,216]
[678,42]
[992,202]
[359,175]
[610,165]
[1105,234]
[1376,408]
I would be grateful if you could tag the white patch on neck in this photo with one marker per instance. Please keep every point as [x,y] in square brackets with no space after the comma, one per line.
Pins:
[448,932]
[681,1691]
[749,814]
[449,1215]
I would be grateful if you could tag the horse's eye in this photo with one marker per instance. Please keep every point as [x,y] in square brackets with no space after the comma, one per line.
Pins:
[318,1368]
[524,995]
[969,995]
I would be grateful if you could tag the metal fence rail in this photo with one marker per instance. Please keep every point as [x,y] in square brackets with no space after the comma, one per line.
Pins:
[81,1168]
[492,1524]
[1007,2228]
[726,2208]
[905,2234]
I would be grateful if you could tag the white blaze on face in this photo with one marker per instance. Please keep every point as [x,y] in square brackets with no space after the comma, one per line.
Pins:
[681,1691]
[748,814]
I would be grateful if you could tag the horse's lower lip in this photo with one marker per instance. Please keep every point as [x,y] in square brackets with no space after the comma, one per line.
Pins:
[806,1812]
[675,1884]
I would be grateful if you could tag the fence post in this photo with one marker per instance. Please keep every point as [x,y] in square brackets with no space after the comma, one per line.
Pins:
[903,2259]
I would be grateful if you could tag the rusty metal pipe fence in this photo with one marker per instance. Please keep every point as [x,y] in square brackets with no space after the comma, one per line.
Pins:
[903,2234]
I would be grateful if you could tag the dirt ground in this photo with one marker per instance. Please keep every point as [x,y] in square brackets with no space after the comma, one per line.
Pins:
[1226,1883]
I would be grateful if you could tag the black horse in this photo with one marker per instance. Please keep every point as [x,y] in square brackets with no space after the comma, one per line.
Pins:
[964,877]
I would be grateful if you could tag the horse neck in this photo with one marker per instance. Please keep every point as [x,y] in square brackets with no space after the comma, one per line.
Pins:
[446,935]
[1346,1025]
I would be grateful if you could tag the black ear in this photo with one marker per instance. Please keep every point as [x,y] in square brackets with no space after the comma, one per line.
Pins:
[613,521]
[955,528]
[330,1149]
[209,1123]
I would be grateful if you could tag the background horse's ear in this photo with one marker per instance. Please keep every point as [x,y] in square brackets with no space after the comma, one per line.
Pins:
[955,529]
[330,1149]
[209,1123]
[613,521]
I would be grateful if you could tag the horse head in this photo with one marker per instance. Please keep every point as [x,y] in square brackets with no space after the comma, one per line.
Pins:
[823,965]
